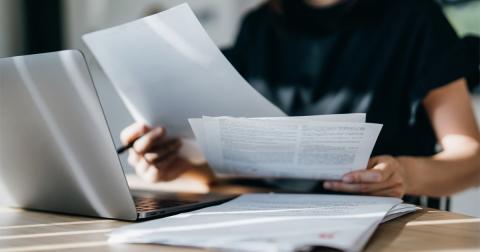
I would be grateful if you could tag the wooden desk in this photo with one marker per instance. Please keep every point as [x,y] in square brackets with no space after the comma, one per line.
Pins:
[35,231]
[427,229]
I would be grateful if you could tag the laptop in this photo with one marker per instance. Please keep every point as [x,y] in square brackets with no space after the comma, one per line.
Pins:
[56,151]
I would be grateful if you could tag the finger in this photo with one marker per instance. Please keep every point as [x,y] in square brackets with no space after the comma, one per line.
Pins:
[365,176]
[166,161]
[356,188]
[342,187]
[367,188]
[376,160]
[372,162]
[378,173]
[391,192]
[164,167]
[141,167]
[152,174]
[156,154]
[133,132]
[166,141]
[133,158]
[148,140]
[177,168]
[385,169]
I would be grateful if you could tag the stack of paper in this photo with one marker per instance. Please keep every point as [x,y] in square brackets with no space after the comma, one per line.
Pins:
[270,222]
[309,147]
[400,210]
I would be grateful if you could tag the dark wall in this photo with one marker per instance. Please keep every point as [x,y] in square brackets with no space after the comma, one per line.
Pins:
[43,31]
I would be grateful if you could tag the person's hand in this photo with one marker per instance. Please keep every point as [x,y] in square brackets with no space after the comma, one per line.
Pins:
[385,176]
[154,156]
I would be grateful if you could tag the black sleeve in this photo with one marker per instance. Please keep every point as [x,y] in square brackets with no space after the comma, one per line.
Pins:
[227,52]
[439,53]
[237,54]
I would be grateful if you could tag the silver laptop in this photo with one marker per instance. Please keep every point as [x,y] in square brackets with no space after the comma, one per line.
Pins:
[56,150]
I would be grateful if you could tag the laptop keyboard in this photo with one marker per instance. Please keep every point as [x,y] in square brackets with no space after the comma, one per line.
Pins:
[151,204]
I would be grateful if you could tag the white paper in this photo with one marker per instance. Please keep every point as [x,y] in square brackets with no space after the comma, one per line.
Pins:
[353,118]
[167,69]
[269,222]
[306,147]
[199,132]
[400,210]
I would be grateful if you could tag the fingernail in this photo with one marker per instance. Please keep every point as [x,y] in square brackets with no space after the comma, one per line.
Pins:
[158,131]
[347,179]
[145,128]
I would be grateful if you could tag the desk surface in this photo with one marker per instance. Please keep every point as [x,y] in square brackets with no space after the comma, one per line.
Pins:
[35,231]
[426,229]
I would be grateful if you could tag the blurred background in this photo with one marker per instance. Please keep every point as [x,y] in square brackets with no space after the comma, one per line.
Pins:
[33,26]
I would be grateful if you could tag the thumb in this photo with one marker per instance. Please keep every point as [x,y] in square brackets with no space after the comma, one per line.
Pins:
[133,132]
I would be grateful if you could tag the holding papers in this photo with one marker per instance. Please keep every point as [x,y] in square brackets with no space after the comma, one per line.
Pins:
[270,222]
[167,70]
[168,73]
[310,147]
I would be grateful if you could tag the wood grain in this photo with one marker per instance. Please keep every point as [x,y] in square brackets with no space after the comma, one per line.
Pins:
[36,231]
[425,230]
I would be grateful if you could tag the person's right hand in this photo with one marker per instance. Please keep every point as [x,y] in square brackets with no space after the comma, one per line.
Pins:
[154,156]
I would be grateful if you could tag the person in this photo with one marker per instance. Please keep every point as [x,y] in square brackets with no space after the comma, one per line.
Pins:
[399,61]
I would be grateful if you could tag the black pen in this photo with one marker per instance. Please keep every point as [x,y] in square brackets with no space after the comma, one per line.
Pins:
[124,148]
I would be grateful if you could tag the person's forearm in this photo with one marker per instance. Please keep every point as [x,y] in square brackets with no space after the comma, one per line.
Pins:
[443,174]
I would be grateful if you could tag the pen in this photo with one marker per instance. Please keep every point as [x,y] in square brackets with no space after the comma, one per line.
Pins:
[124,148]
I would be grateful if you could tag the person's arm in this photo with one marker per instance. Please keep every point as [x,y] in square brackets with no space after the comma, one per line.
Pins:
[455,168]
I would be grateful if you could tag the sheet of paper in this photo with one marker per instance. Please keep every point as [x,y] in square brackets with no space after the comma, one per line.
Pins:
[167,69]
[197,123]
[400,210]
[353,118]
[285,147]
[269,222]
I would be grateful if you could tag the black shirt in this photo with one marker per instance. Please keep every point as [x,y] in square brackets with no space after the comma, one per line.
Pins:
[381,58]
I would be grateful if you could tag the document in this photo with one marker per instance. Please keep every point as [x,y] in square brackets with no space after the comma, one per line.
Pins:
[309,147]
[269,222]
[400,210]
[166,69]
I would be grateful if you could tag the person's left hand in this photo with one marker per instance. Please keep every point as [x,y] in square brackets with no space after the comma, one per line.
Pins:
[385,176]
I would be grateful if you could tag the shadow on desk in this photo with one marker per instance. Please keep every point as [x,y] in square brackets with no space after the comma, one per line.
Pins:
[390,231]
[427,229]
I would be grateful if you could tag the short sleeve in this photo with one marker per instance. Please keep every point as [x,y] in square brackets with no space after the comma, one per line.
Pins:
[439,54]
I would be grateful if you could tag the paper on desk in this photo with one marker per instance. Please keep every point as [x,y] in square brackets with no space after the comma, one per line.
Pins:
[167,69]
[269,222]
[317,147]
[400,210]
